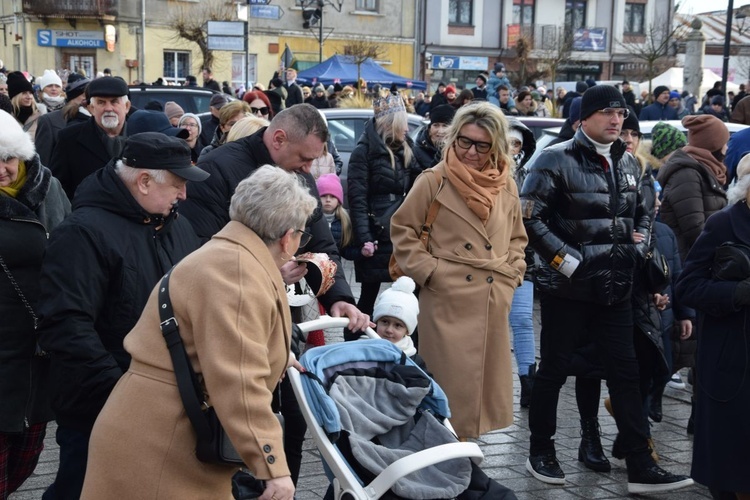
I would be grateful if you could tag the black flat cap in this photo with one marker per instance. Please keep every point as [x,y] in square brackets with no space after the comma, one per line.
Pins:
[154,150]
[107,86]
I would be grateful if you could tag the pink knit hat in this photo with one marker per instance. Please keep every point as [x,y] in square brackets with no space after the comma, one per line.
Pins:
[330,184]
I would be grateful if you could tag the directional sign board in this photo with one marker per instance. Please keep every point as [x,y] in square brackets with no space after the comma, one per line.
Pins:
[226,35]
[265,11]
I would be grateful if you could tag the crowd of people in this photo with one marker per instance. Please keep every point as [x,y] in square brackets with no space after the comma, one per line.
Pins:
[633,249]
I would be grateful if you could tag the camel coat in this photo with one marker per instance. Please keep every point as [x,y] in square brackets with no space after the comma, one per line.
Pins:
[467,283]
[231,307]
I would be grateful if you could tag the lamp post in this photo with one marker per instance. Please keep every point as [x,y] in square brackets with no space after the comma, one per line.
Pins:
[312,13]
[727,44]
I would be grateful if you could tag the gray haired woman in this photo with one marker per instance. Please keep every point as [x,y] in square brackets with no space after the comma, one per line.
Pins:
[230,303]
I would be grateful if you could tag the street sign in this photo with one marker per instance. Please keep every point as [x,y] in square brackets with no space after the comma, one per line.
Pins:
[265,11]
[70,38]
[225,28]
[233,43]
[226,35]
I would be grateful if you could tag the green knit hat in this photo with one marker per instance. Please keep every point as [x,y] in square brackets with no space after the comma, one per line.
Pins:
[665,139]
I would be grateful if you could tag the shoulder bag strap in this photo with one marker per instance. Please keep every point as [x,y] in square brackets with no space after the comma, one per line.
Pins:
[19,292]
[187,381]
[432,212]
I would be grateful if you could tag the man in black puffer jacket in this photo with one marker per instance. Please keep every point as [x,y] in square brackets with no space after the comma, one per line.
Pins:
[588,222]
[101,265]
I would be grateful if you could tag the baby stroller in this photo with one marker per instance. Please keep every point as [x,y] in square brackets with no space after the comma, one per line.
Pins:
[379,421]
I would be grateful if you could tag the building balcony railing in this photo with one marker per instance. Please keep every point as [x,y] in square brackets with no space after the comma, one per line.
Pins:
[80,9]
[554,37]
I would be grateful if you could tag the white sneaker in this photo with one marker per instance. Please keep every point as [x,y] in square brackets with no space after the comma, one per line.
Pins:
[676,382]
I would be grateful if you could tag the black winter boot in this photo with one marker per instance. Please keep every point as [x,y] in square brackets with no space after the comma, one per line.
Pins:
[590,452]
[527,383]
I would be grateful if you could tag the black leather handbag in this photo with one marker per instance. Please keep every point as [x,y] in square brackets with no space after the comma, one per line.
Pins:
[213,445]
[656,271]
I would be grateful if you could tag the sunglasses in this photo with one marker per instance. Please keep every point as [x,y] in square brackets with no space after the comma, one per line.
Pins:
[263,111]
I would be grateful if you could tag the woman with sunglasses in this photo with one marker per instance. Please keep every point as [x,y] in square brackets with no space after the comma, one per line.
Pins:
[470,268]
[260,106]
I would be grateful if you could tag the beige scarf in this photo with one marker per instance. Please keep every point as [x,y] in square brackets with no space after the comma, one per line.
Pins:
[705,158]
[478,188]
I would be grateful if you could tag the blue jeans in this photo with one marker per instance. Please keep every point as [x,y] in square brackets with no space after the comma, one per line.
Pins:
[74,451]
[522,322]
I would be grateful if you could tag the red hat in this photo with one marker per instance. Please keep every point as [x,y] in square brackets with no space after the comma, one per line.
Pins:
[450,88]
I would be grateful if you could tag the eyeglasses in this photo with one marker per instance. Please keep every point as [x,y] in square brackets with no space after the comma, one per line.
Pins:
[190,125]
[630,133]
[610,112]
[516,143]
[466,143]
[304,238]
[263,111]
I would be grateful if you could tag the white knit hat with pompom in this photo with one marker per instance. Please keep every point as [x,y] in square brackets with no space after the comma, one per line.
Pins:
[399,302]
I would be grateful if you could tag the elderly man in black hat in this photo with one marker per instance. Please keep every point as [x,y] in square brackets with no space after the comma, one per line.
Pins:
[74,111]
[589,223]
[103,262]
[84,148]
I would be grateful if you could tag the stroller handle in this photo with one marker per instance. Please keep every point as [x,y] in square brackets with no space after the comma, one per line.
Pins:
[329,322]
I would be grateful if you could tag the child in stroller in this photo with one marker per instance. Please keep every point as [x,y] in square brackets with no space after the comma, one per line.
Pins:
[386,409]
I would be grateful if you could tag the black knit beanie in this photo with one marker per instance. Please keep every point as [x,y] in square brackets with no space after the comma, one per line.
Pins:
[18,83]
[442,114]
[601,97]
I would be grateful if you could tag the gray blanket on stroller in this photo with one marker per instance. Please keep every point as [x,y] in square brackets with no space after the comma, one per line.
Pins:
[378,413]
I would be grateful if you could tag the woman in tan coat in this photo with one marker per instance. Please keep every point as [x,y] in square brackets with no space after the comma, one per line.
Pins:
[231,307]
[471,269]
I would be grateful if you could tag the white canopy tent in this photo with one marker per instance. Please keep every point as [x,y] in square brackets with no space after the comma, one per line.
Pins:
[672,78]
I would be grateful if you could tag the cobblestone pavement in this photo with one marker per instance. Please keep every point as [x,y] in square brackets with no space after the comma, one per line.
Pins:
[504,451]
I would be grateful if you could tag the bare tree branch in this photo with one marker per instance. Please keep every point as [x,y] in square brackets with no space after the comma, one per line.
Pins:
[361,50]
[189,23]
[655,49]
[540,50]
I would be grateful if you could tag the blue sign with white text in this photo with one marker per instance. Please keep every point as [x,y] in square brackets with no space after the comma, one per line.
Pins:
[265,11]
[70,38]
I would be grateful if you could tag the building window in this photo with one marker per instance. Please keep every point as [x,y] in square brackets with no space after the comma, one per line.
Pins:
[176,65]
[523,12]
[575,14]
[460,12]
[367,5]
[634,15]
